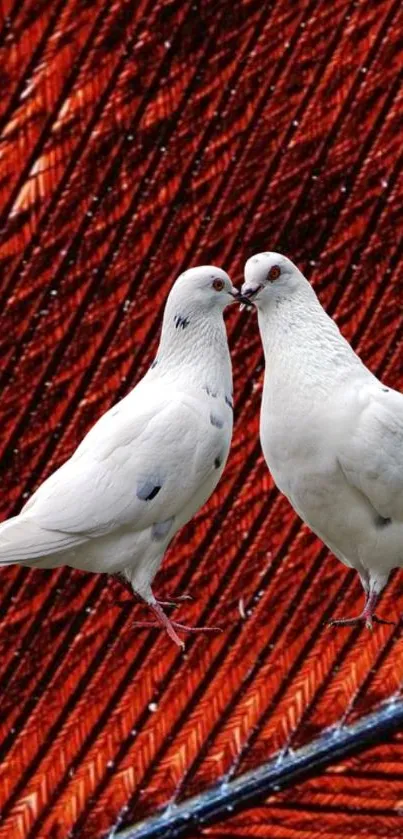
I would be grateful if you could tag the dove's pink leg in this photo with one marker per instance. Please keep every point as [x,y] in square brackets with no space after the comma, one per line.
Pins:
[162,619]
[367,615]
[170,626]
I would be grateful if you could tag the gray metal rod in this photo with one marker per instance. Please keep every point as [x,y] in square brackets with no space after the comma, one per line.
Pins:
[221,800]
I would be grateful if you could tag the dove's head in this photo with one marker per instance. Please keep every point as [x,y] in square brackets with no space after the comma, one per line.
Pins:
[205,287]
[270,276]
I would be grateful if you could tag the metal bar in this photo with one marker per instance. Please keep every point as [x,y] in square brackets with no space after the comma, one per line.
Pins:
[222,800]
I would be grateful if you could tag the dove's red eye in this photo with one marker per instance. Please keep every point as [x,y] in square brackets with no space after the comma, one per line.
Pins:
[274,272]
[218,285]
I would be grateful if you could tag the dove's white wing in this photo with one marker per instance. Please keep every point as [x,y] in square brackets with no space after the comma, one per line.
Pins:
[141,463]
[371,453]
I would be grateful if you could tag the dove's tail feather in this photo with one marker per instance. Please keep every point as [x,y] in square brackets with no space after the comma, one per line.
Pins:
[24,541]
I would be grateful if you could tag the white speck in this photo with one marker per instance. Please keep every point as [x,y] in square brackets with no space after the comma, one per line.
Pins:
[130,137]
[241,607]
[167,44]
[343,188]
[110,764]
[364,69]
[295,122]
[312,262]
[384,183]
[152,707]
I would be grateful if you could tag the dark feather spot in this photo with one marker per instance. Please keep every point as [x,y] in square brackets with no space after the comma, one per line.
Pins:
[209,391]
[181,322]
[229,402]
[385,389]
[147,490]
[382,522]
[216,421]
[161,529]
[154,364]
[217,462]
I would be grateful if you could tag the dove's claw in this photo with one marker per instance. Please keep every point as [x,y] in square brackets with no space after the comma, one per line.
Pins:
[186,628]
[165,622]
[368,620]
[170,626]
[367,615]
[350,621]
[382,620]
[175,600]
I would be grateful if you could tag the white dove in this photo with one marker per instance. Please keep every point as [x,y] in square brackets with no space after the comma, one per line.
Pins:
[149,463]
[331,432]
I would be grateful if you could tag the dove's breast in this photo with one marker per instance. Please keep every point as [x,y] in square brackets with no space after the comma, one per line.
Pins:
[300,449]
[289,441]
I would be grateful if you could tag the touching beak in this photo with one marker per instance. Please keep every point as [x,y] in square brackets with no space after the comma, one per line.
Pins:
[235,294]
[247,294]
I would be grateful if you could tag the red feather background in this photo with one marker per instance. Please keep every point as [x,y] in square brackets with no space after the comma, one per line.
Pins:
[139,138]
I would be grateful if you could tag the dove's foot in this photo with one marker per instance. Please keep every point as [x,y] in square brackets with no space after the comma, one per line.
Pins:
[367,616]
[369,620]
[171,626]
[175,600]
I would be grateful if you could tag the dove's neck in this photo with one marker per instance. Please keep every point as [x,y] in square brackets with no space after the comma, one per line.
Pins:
[194,347]
[303,346]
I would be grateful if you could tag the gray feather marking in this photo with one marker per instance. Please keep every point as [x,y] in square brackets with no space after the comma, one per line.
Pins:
[161,529]
[216,421]
[148,489]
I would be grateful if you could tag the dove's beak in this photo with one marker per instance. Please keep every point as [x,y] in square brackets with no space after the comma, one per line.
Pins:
[247,293]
